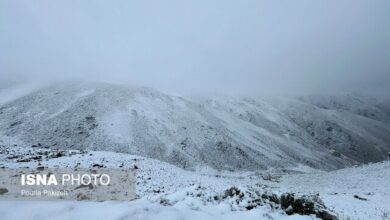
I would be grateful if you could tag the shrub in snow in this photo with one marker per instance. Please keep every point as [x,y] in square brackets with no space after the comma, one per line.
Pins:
[304,206]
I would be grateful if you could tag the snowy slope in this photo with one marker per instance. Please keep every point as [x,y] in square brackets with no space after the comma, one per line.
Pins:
[166,191]
[339,189]
[221,132]
[156,181]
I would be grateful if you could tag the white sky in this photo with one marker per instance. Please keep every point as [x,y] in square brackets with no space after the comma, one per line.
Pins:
[226,46]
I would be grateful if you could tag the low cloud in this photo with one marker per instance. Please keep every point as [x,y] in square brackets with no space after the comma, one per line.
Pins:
[250,47]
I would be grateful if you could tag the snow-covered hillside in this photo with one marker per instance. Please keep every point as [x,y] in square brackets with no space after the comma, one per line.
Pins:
[221,132]
[166,191]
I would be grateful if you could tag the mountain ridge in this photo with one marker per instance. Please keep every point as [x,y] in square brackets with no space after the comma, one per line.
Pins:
[221,132]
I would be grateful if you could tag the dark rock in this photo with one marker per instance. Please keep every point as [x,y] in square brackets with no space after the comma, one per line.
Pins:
[90,118]
[360,198]
[81,196]
[15,124]
[23,160]
[250,206]
[90,186]
[58,154]
[3,191]
[98,165]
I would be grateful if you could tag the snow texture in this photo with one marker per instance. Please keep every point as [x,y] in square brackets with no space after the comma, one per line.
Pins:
[225,133]
[169,192]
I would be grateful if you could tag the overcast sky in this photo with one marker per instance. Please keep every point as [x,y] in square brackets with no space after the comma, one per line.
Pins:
[249,46]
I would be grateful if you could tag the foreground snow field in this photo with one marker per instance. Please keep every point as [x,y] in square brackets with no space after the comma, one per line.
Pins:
[167,192]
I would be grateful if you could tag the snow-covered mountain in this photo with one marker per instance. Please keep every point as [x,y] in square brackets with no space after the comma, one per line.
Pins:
[221,132]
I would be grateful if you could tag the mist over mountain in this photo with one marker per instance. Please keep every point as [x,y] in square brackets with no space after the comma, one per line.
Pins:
[251,48]
[223,132]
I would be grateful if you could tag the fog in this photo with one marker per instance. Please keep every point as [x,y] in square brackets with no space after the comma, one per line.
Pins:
[225,46]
